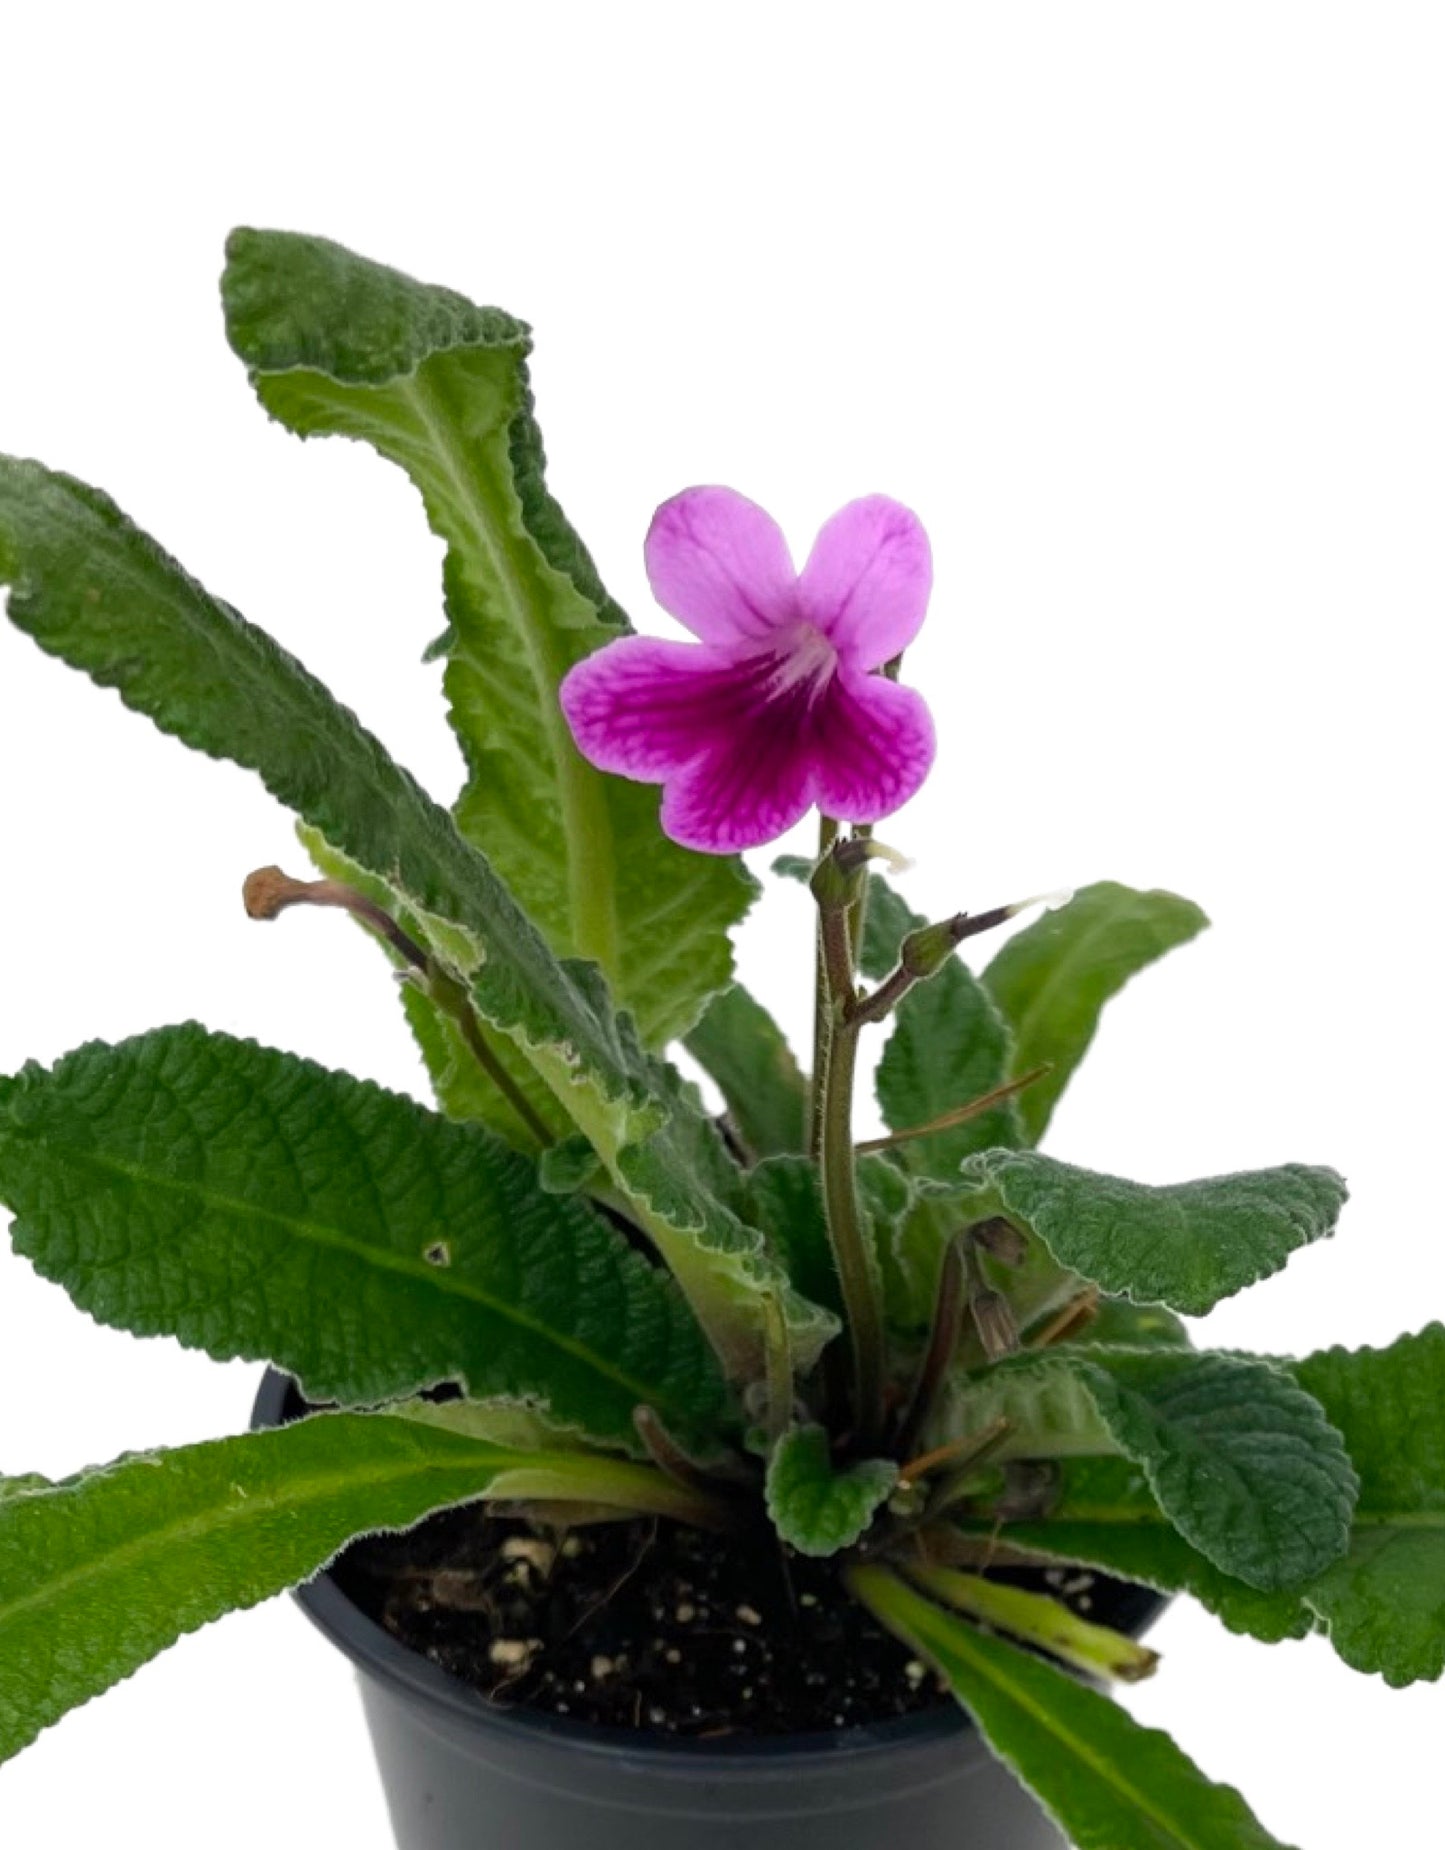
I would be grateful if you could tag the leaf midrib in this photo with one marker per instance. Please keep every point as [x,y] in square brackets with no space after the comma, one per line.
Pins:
[316,1486]
[585,820]
[442,1279]
[1105,1768]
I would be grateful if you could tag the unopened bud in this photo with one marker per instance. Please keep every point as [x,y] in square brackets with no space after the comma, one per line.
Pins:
[838,878]
[997,1330]
[1001,1240]
[924,952]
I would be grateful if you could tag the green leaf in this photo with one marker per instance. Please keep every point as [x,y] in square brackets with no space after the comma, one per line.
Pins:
[1052,979]
[1384,1604]
[337,345]
[103,1571]
[253,1204]
[746,1053]
[816,1507]
[92,589]
[463,1088]
[1241,1460]
[1109,1783]
[1186,1245]
[1108,1518]
[95,591]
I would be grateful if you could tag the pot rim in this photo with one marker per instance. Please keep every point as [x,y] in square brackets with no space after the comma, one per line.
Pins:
[375,1653]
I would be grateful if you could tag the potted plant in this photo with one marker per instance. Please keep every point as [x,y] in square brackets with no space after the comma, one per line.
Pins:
[700,1478]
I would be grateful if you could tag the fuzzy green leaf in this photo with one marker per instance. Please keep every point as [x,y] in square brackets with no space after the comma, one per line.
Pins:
[1108,1782]
[1241,1460]
[253,1204]
[92,589]
[95,591]
[1108,1518]
[337,345]
[1384,1603]
[1052,979]
[1186,1245]
[746,1053]
[816,1507]
[949,1045]
[103,1571]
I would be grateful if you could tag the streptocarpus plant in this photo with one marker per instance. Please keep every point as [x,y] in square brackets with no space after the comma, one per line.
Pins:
[918,1357]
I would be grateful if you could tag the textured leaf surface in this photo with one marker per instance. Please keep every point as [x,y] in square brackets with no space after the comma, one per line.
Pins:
[1384,1604]
[103,1571]
[92,589]
[746,1053]
[95,591]
[1109,1783]
[949,1042]
[1052,979]
[1108,1518]
[337,345]
[949,1045]
[254,1204]
[1186,1245]
[815,1506]
[463,1089]
[1242,1462]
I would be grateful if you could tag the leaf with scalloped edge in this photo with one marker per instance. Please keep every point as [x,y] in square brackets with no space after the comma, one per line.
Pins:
[255,1204]
[1052,979]
[1185,1245]
[1106,1781]
[105,1570]
[1383,1605]
[337,345]
[1242,1462]
[816,1506]
[95,591]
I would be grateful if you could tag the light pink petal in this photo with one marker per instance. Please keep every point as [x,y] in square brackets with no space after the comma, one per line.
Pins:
[721,566]
[644,708]
[867,580]
[744,793]
[873,744]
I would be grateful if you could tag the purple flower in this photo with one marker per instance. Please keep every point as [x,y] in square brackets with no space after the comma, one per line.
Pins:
[776,706]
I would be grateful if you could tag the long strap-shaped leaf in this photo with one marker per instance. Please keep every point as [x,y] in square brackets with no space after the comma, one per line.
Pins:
[254,1204]
[1110,1783]
[338,345]
[103,1571]
[94,590]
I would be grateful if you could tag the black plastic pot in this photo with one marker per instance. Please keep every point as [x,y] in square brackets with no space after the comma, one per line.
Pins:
[462,1773]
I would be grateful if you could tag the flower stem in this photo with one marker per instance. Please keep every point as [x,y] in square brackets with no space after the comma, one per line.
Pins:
[942,1340]
[269,892]
[845,1229]
[822,1022]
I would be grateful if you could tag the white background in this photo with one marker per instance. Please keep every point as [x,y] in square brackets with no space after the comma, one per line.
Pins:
[1141,307]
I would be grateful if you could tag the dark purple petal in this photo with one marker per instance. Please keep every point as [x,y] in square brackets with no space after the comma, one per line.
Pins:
[872,746]
[721,566]
[644,708]
[749,790]
[867,580]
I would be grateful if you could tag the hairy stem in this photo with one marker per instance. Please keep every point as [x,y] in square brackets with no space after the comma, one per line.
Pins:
[822,1021]
[861,1299]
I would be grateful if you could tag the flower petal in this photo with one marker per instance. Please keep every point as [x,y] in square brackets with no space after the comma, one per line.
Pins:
[644,708]
[867,580]
[744,793]
[873,746]
[721,566]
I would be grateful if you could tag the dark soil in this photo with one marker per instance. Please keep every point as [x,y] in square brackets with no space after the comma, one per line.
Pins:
[646,1624]
[649,1624]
